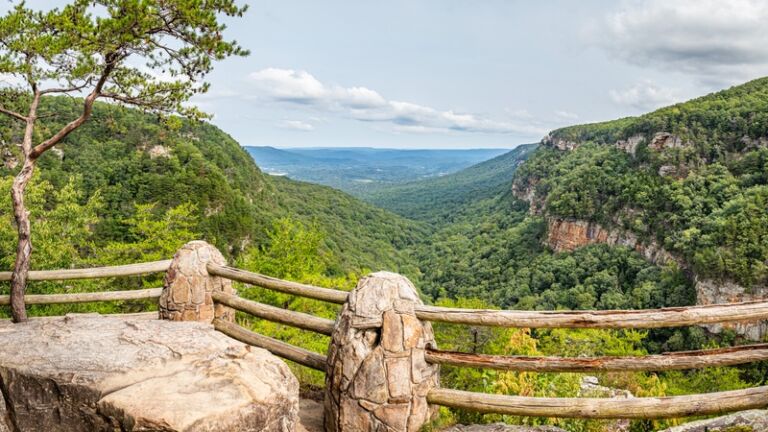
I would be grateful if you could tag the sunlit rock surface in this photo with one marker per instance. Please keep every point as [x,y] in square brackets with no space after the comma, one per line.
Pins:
[97,373]
[752,420]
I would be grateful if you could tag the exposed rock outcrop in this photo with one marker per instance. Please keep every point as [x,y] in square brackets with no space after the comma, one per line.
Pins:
[751,144]
[714,292]
[94,373]
[378,378]
[559,143]
[630,144]
[568,234]
[665,140]
[157,151]
[659,142]
[750,421]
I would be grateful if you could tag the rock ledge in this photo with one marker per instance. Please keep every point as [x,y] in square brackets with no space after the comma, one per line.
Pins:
[98,373]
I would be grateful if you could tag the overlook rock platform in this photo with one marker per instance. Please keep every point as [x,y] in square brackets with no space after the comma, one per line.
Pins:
[99,373]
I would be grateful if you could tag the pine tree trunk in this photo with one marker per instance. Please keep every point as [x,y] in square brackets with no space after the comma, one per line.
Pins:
[24,246]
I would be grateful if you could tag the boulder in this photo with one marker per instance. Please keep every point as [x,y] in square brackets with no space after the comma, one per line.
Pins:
[744,421]
[100,373]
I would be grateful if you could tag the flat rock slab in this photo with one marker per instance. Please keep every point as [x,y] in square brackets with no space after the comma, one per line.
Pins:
[98,373]
[751,420]
[498,427]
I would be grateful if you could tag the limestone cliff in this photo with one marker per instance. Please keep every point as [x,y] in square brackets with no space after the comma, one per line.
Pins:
[567,234]
[564,234]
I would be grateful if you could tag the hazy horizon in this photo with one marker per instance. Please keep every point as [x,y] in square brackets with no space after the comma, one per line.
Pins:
[450,74]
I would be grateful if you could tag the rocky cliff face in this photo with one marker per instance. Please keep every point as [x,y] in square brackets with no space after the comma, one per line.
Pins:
[713,292]
[568,234]
[660,141]
[564,235]
[559,143]
[93,373]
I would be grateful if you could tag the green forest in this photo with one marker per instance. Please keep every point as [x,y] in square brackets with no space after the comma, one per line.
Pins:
[130,187]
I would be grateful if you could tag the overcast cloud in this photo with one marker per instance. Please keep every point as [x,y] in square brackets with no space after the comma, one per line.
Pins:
[452,74]
[713,40]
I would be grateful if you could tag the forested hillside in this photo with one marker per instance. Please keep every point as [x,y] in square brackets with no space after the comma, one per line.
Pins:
[440,197]
[690,179]
[124,166]
[693,177]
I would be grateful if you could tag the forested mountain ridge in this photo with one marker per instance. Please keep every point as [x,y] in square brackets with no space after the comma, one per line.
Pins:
[439,198]
[123,159]
[361,171]
[688,182]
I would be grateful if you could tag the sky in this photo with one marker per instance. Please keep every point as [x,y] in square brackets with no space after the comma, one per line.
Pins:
[470,74]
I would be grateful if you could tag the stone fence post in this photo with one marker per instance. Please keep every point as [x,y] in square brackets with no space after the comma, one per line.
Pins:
[187,288]
[377,377]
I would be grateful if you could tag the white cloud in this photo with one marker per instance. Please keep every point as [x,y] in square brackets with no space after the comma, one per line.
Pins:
[289,84]
[717,40]
[566,115]
[363,104]
[297,125]
[645,95]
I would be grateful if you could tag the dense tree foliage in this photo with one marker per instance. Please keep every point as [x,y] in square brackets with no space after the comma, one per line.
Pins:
[711,211]
[125,158]
[717,125]
[438,199]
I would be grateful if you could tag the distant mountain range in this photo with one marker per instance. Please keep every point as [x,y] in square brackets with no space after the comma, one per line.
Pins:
[362,170]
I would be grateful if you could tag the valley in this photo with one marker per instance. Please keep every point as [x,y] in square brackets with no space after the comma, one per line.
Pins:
[361,171]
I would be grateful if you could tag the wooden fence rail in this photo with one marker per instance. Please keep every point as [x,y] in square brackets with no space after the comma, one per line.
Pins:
[276,314]
[664,407]
[93,273]
[647,318]
[279,348]
[604,408]
[288,287]
[40,299]
[660,362]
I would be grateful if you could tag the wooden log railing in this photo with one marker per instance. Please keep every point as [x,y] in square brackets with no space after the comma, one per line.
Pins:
[288,287]
[86,297]
[96,272]
[287,351]
[644,407]
[276,314]
[668,361]
[605,319]
[90,273]
[602,408]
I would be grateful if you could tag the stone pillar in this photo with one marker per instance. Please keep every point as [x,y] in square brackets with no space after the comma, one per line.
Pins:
[377,378]
[187,289]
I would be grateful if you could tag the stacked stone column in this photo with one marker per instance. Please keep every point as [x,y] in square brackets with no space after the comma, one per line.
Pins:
[377,378]
[187,289]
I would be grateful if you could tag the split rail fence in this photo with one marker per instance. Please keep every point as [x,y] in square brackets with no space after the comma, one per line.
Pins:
[604,408]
